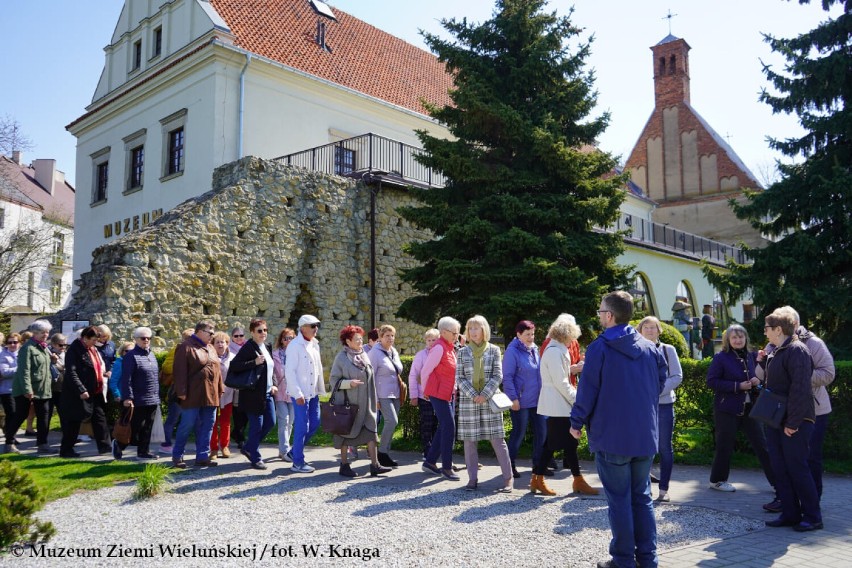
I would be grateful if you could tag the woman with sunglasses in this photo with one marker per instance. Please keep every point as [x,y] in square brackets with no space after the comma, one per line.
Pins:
[283,402]
[257,402]
[8,367]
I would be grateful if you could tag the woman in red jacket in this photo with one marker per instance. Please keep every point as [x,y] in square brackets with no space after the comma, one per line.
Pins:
[439,381]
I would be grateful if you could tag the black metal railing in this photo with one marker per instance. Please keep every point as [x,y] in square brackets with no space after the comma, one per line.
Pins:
[374,154]
[368,153]
[671,239]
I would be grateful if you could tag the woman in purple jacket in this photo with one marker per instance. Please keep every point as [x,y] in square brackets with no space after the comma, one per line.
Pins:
[732,376]
[522,384]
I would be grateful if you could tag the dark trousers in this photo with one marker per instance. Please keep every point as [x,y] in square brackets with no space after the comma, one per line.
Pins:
[100,430]
[140,425]
[726,435]
[442,443]
[8,402]
[54,405]
[815,456]
[238,432]
[795,484]
[558,438]
[22,409]
[428,424]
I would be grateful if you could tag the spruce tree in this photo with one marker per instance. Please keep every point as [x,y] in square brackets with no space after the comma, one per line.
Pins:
[808,211]
[515,225]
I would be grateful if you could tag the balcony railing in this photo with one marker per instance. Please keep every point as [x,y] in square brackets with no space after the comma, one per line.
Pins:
[666,238]
[368,153]
[395,161]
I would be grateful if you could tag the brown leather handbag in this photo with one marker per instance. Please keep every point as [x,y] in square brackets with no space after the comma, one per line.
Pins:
[121,432]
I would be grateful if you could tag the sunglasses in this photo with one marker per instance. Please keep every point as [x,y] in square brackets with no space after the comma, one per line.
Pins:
[144,338]
[289,338]
[315,326]
[263,330]
[12,342]
[238,335]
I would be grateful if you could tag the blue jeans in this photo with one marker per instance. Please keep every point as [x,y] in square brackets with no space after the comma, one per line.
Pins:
[664,447]
[202,420]
[627,484]
[306,421]
[520,419]
[815,456]
[442,443]
[259,426]
[284,413]
[171,421]
[793,480]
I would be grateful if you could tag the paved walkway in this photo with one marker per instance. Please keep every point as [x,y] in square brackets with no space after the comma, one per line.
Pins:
[765,547]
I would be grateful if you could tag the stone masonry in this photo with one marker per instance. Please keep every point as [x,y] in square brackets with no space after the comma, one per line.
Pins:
[268,241]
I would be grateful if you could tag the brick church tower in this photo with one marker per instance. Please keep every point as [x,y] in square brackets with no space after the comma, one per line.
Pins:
[682,163]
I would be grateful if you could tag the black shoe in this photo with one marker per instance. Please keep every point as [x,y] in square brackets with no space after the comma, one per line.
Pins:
[207,463]
[379,469]
[346,470]
[239,445]
[387,461]
[779,522]
[654,479]
[148,456]
[515,472]
[246,454]
[805,526]
[774,506]
[71,454]
[549,472]
[552,465]
[607,564]
[116,450]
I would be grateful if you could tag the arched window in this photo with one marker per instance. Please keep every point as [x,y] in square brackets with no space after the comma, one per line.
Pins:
[672,65]
[641,296]
[662,65]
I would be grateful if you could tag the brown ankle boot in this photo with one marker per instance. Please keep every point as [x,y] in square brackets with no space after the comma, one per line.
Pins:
[537,485]
[580,486]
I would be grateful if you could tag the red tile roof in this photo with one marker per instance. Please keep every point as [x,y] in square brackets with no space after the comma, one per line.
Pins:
[19,180]
[362,57]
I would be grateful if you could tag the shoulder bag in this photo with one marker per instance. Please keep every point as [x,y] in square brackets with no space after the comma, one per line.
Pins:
[242,380]
[338,418]
[769,408]
[403,389]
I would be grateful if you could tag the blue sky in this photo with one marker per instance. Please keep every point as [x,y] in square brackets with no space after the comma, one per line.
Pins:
[53,56]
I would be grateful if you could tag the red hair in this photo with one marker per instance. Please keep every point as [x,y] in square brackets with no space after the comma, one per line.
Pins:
[349,332]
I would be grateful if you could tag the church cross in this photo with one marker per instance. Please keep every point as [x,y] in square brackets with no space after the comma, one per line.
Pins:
[669,17]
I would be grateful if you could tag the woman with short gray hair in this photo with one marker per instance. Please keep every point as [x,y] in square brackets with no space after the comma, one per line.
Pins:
[140,391]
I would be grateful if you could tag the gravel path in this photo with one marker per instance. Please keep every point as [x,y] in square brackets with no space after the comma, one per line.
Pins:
[404,519]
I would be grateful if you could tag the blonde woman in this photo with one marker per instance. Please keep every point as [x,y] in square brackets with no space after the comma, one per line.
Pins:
[555,401]
[650,329]
[479,372]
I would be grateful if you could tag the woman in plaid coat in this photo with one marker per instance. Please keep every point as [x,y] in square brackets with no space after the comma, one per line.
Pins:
[478,376]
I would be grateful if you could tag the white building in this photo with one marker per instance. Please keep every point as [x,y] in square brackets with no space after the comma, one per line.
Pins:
[35,200]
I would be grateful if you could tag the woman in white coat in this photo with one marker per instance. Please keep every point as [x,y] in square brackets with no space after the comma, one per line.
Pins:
[555,401]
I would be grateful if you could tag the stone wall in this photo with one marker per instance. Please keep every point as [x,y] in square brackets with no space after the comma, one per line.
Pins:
[267,241]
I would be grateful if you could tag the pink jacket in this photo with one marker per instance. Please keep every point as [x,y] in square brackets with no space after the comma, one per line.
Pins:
[278,358]
[415,389]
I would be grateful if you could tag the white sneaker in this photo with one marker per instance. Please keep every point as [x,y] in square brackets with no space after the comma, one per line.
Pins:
[304,468]
[723,486]
[85,438]
[288,457]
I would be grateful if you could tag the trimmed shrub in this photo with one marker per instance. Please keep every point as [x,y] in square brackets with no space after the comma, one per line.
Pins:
[19,500]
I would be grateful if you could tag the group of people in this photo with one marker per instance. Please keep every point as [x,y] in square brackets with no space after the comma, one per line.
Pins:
[798,366]
[622,391]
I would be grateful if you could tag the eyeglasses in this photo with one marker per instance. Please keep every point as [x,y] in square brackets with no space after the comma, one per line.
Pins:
[210,331]
[238,335]
[12,342]
[264,330]
[289,338]
[144,338]
[604,312]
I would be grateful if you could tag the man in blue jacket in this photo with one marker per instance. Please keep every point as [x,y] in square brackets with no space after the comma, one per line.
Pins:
[617,401]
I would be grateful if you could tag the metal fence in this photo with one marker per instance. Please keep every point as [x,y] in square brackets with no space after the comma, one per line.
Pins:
[367,153]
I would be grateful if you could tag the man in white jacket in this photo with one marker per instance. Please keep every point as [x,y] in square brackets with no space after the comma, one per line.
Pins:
[305,382]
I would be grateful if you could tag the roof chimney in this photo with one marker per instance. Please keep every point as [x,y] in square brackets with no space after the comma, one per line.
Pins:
[16,156]
[45,173]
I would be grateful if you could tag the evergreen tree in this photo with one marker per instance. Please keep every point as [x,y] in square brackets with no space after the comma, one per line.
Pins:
[514,227]
[808,211]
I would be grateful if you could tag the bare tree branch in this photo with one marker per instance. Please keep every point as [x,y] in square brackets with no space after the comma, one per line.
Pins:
[12,137]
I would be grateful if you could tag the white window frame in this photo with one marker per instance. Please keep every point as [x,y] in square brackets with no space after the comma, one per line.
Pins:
[169,125]
[98,158]
[132,142]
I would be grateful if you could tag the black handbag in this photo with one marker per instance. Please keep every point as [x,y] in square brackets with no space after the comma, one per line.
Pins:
[338,418]
[245,380]
[769,408]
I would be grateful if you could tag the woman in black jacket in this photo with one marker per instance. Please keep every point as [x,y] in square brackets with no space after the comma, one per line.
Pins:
[257,402]
[83,394]
[788,373]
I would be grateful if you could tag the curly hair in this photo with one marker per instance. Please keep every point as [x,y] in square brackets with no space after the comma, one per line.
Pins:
[349,332]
